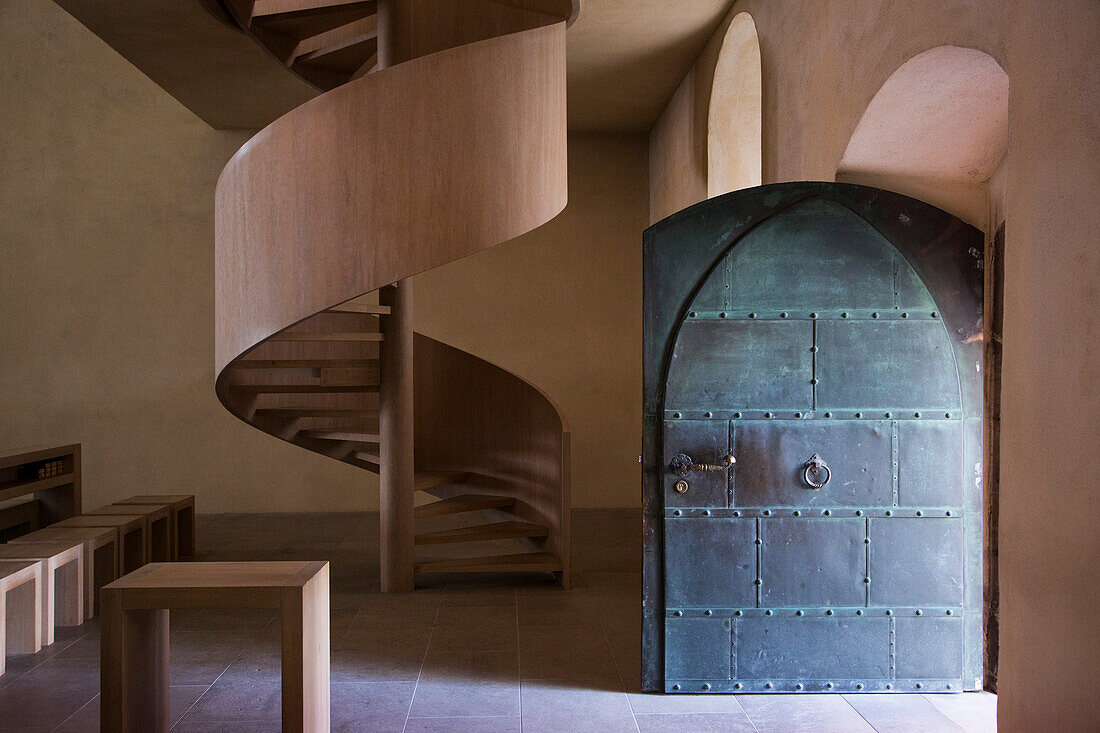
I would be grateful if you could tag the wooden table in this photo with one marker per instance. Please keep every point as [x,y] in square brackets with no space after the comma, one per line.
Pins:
[61,581]
[183,518]
[20,608]
[159,542]
[101,556]
[134,635]
[132,544]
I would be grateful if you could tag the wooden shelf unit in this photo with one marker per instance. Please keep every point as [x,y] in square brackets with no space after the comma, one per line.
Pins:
[48,477]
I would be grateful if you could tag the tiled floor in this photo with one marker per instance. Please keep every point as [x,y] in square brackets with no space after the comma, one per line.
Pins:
[455,657]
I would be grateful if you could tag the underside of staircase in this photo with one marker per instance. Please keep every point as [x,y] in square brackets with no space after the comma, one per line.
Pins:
[436,129]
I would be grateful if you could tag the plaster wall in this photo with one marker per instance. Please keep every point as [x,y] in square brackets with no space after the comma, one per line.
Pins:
[822,64]
[560,307]
[106,290]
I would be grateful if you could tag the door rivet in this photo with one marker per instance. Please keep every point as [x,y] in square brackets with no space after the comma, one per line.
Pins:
[858,415]
[708,612]
[920,513]
[706,685]
[859,512]
[947,415]
[826,512]
[737,614]
[708,414]
[706,512]
[859,686]
[677,614]
[888,611]
[829,612]
[798,686]
[916,414]
[843,315]
[676,415]
[722,315]
[889,513]
[767,414]
[828,685]
[677,513]
[828,414]
[813,315]
[756,582]
[737,685]
[676,687]
[759,542]
[919,686]
[889,687]
[813,381]
[904,315]
[737,514]
[874,315]
[865,580]
[737,414]
[767,512]
[949,612]
[768,612]
[860,612]
[767,685]
[798,414]
[797,513]
[681,486]
[752,315]
[887,415]
[783,314]
[866,540]
[918,612]
[947,513]
[692,314]
[798,613]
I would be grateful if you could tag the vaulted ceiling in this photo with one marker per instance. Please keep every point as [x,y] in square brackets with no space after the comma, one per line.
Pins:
[626,58]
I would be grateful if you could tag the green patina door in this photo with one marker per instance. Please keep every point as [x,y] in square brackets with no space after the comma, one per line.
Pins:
[813,445]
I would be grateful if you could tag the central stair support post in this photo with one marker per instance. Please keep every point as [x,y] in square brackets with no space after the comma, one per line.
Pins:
[396,436]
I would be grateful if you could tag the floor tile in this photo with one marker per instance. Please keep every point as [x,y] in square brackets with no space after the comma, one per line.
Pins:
[463,725]
[577,706]
[902,714]
[467,684]
[250,690]
[180,700]
[784,713]
[655,703]
[975,712]
[565,652]
[696,723]
[48,694]
[379,655]
[370,706]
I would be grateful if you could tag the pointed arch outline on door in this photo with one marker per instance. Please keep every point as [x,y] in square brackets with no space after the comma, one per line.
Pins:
[952,274]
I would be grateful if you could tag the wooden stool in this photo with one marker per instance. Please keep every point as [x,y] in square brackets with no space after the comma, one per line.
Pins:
[100,556]
[20,608]
[132,544]
[62,581]
[158,527]
[134,635]
[183,518]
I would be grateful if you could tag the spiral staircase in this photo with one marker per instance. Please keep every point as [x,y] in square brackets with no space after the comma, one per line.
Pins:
[438,130]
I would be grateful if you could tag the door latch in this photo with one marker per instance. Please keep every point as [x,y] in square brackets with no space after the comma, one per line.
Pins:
[682,465]
[817,472]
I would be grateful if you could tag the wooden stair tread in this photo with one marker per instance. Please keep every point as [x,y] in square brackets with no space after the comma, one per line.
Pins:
[463,503]
[425,480]
[346,436]
[367,457]
[275,7]
[312,412]
[247,363]
[533,562]
[301,388]
[326,336]
[483,532]
[377,310]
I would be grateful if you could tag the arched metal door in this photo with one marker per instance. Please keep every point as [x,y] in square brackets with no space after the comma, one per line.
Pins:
[813,445]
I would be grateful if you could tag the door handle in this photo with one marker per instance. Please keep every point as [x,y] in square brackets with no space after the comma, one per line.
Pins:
[682,465]
[816,467]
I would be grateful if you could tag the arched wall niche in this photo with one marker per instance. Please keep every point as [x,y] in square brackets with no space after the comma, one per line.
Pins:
[734,122]
[936,130]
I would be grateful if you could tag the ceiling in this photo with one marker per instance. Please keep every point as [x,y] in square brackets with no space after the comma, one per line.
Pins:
[627,57]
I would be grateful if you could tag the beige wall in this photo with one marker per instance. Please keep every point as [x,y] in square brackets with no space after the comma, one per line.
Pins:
[561,307]
[822,64]
[106,283]
[106,286]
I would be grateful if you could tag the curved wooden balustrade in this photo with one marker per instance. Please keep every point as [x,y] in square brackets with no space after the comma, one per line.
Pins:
[394,171]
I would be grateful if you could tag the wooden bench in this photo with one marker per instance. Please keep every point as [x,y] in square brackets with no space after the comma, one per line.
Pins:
[183,518]
[20,608]
[101,556]
[61,581]
[159,541]
[132,543]
[134,635]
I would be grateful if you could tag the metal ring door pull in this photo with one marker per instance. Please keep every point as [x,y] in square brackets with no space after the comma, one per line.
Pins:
[815,467]
[682,464]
